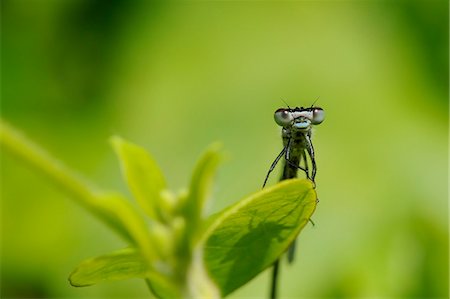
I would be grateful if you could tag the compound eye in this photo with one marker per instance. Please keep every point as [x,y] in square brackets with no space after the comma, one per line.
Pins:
[283,117]
[318,116]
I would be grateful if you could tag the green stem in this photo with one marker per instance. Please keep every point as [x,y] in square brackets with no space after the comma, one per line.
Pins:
[111,208]
[104,207]
[36,157]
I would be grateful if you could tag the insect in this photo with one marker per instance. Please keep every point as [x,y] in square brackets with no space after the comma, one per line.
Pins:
[297,147]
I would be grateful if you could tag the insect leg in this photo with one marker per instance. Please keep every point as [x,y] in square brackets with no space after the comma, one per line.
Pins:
[286,157]
[275,164]
[296,166]
[310,150]
[306,163]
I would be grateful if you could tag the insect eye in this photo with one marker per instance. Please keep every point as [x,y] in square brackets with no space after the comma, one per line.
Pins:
[318,116]
[283,117]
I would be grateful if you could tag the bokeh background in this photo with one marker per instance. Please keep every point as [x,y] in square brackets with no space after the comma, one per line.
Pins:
[176,76]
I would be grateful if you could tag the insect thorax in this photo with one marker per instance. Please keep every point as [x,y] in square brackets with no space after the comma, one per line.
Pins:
[298,138]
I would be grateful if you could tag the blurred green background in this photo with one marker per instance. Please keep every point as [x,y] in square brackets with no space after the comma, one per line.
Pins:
[176,76]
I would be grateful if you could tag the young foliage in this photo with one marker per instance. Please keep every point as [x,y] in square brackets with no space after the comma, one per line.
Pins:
[179,252]
[118,265]
[142,175]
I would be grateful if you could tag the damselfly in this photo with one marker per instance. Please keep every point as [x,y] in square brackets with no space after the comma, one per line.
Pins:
[297,146]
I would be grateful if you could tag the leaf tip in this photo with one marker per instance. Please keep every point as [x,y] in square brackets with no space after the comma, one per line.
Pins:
[216,146]
[73,280]
[116,141]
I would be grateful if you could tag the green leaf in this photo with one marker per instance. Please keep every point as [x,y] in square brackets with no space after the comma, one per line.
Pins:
[143,176]
[201,183]
[249,236]
[119,265]
[122,264]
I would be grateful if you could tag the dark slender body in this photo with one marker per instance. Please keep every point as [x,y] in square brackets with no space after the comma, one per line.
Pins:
[296,133]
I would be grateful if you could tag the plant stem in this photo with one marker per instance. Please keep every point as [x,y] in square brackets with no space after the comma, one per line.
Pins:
[36,157]
[273,292]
